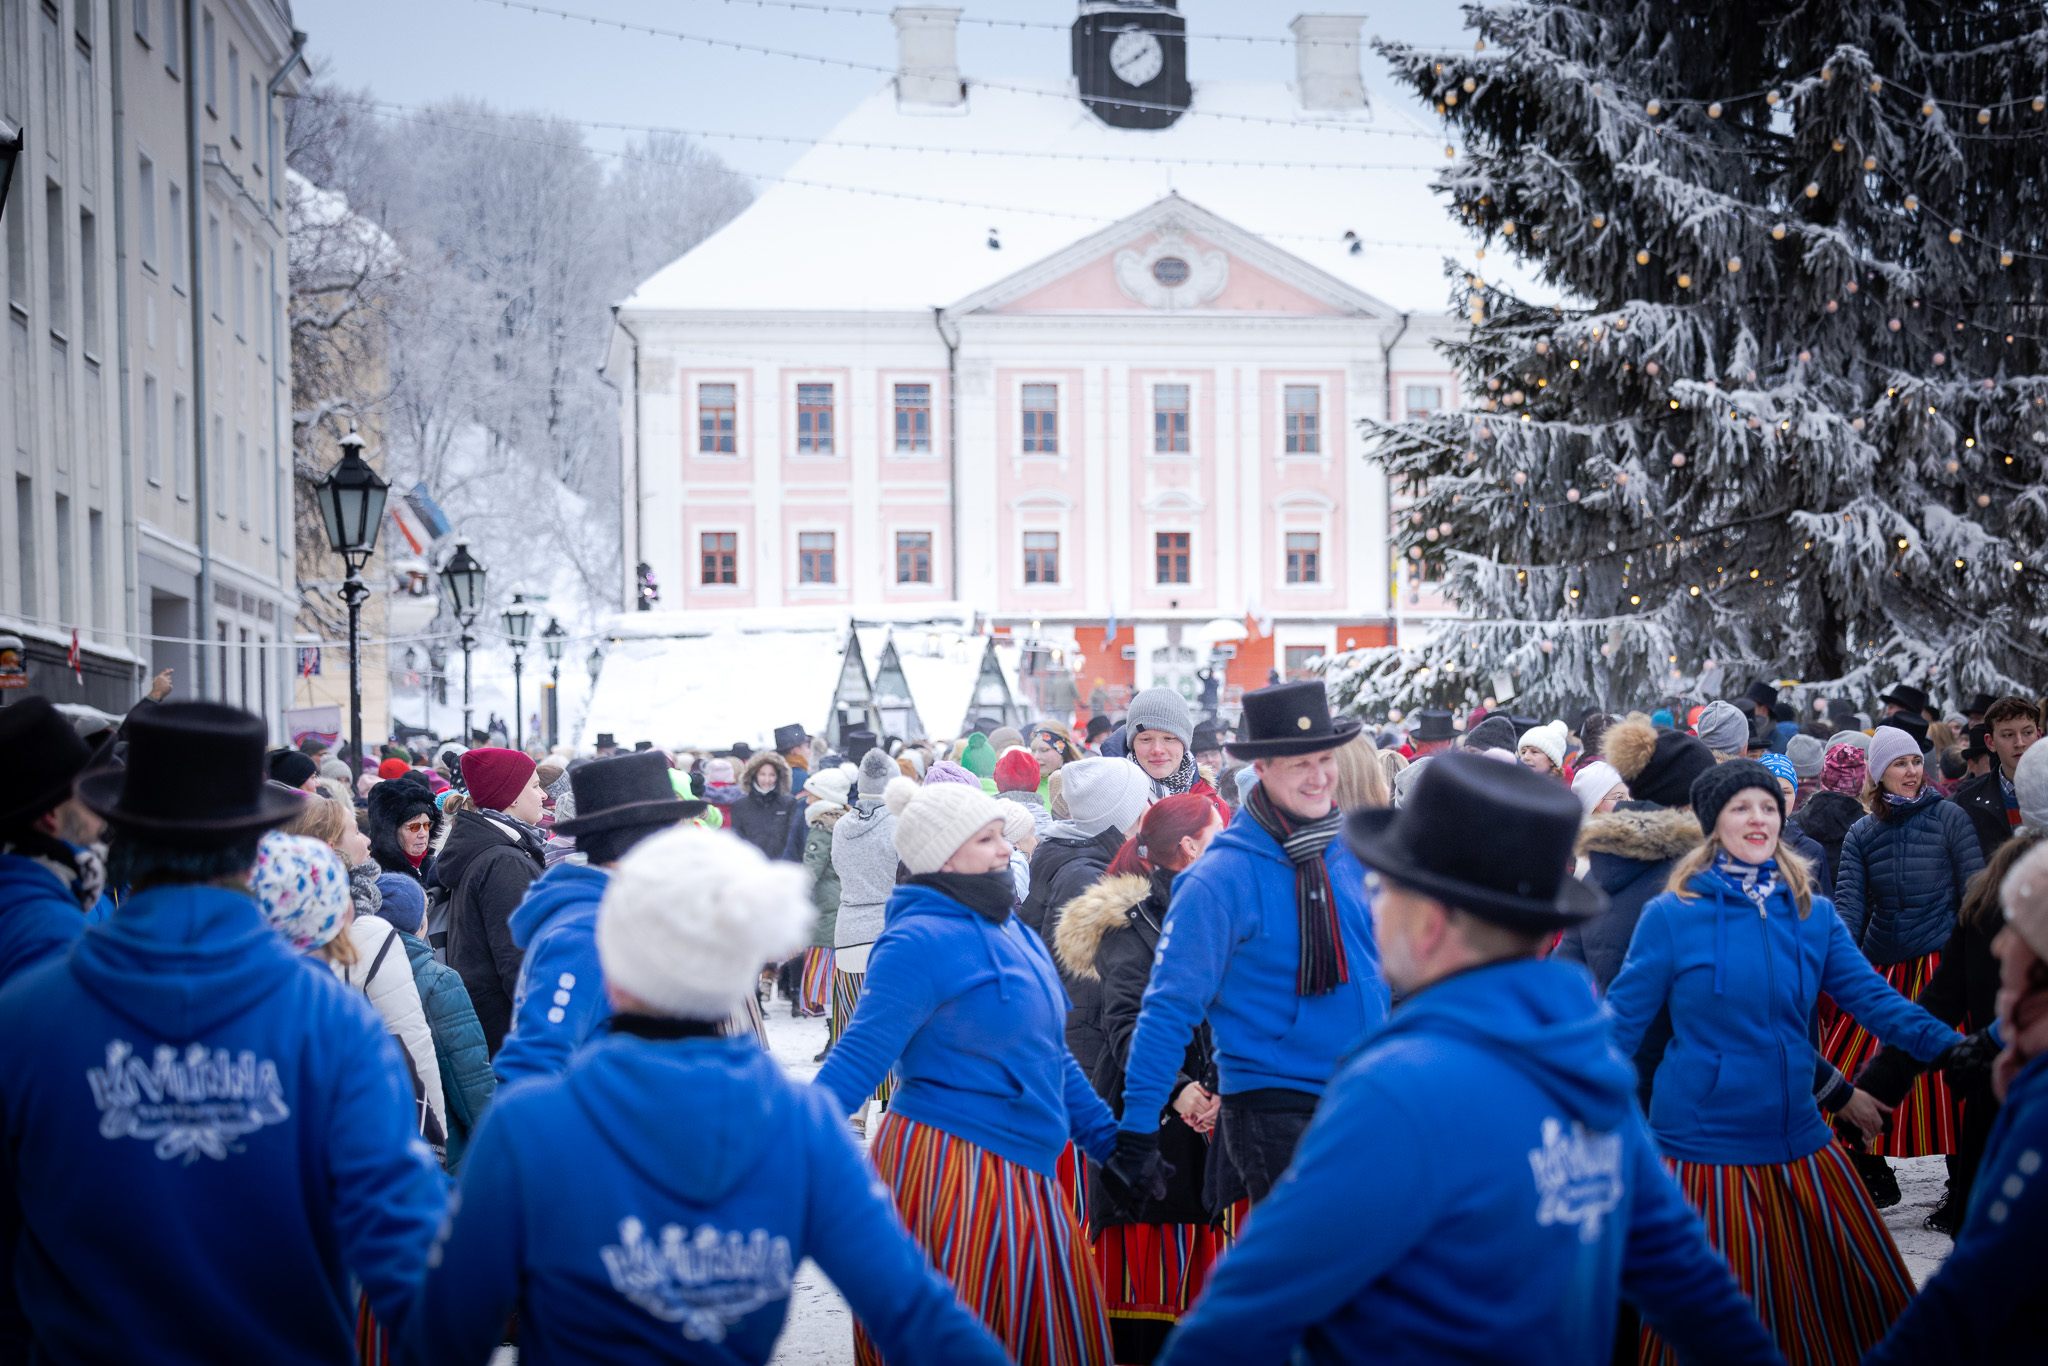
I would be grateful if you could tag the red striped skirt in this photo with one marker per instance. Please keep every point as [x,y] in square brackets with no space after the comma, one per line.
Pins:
[1809,1250]
[1151,1274]
[1070,1175]
[1925,1122]
[846,1000]
[1004,1236]
[815,998]
[373,1344]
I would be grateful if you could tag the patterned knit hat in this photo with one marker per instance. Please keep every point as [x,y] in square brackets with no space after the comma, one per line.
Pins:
[1845,770]
[302,887]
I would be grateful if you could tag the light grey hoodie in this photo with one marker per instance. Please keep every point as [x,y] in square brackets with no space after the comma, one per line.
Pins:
[864,856]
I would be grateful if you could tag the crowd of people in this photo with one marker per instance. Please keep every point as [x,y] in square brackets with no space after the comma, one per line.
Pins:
[1476,1037]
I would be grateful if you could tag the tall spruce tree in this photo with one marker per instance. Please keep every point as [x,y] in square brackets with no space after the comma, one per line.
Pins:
[1788,415]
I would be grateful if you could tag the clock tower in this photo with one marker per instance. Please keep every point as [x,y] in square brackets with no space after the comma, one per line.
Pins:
[1130,58]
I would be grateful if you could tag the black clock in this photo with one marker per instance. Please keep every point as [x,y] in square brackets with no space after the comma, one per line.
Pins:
[1130,60]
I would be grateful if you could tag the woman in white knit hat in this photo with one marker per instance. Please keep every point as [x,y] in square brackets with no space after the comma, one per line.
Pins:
[964,1001]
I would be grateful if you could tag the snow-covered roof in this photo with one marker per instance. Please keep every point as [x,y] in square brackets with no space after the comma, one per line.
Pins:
[851,227]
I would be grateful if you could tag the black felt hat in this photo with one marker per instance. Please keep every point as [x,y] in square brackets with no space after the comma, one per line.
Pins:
[1290,718]
[1907,696]
[1099,725]
[195,770]
[1980,704]
[789,737]
[606,740]
[1762,693]
[1530,822]
[44,754]
[857,743]
[1977,744]
[1432,725]
[624,790]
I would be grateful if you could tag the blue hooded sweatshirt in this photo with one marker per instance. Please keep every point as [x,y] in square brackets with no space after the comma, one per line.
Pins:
[205,1137]
[39,916]
[1736,1084]
[1988,1305]
[1413,1228]
[653,1202]
[974,1018]
[1229,952]
[559,999]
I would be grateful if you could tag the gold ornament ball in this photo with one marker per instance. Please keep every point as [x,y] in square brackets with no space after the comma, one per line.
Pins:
[1955,235]
[1870,163]
[1912,202]
[1470,85]
[1714,110]
[1653,109]
[1642,258]
[1777,232]
[1893,324]
[2005,258]
[2040,103]
[1734,264]
[1805,356]
[1684,280]
[1832,305]
[1927,108]
[1983,116]
[1678,460]
[1812,189]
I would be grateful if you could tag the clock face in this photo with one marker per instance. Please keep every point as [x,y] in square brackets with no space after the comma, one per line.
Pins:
[1135,56]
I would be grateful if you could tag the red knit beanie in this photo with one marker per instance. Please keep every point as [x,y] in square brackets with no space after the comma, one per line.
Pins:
[393,768]
[1017,771]
[495,777]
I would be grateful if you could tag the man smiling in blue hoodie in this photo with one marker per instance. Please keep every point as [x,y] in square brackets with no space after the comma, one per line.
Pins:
[1478,1184]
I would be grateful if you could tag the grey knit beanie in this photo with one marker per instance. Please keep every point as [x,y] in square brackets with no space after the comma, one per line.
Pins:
[1160,709]
[1105,793]
[1724,729]
[1806,755]
[1846,737]
[876,769]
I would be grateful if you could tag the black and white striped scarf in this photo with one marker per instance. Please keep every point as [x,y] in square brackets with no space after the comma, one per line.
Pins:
[1322,966]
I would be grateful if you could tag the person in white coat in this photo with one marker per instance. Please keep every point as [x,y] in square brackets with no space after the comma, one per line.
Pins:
[379,968]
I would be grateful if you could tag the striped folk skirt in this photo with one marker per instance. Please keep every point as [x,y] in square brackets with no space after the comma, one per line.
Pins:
[1809,1250]
[1926,1121]
[845,1000]
[815,996]
[1004,1236]
[1151,1274]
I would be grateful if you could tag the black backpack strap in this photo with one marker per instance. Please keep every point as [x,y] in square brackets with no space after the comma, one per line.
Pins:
[378,961]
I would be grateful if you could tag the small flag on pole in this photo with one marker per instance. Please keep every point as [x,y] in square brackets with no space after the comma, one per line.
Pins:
[71,658]
[1109,636]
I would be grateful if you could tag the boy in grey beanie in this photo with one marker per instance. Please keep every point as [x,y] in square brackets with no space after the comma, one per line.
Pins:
[1723,729]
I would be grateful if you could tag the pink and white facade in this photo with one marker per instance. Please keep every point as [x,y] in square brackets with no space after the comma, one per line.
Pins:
[1142,412]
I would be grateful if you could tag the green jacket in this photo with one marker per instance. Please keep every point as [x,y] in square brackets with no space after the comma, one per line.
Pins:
[459,1046]
[818,824]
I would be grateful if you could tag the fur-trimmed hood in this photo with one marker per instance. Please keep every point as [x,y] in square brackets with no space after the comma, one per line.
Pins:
[1650,836]
[1628,745]
[820,817]
[1088,917]
[392,803]
[761,761]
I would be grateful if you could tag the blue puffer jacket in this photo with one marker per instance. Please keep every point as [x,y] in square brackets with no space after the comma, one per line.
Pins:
[39,917]
[1902,880]
[559,1000]
[459,1048]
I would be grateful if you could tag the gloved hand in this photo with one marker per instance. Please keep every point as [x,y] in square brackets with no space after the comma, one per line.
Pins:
[1889,1075]
[1968,1061]
[1137,1165]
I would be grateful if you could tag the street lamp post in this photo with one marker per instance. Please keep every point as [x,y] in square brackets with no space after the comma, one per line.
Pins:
[552,638]
[518,623]
[351,500]
[462,578]
[437,667]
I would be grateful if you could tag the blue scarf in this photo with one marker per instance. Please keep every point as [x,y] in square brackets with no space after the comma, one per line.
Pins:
[1754,880]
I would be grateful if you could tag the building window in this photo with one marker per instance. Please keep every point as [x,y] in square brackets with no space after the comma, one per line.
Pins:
[171,37]
[913,418]
[913,555]
[1170,419]
[152,433]
[814,419]
[1170,557]
[717,407]
[175,204]
[1304,557]
[89,281]
[212,281]
[142,20]
[60,266]
[1041,557]
[1042,419]
[238,256]
[1299,661]
[206,42]
[234,95]
[1304,419]
[1424,399]
[145,222]
[181,446]
[721,556]
[814,557]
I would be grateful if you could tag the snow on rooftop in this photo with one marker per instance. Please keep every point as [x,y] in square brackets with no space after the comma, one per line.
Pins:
[804,246]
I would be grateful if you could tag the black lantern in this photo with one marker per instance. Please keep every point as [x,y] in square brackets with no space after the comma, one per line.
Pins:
[518,623]
[552,638]
[595,663]
[462,578]
[351,501]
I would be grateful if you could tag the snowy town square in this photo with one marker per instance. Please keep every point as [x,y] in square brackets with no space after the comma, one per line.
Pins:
[1034,682]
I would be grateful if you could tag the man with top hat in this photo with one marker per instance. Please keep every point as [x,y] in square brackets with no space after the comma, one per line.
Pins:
[1906,707]
[1432,733]
[793,743]
[50,868]
[1267,937]
[1405,1230]
[206,1139]
[559,1000]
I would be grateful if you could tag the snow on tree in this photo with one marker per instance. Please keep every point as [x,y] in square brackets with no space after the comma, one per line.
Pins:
[1789,417]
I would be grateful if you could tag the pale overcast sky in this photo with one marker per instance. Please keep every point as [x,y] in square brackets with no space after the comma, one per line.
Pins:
[415,51]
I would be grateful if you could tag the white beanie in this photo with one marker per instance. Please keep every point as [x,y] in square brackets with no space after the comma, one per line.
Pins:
[932,822]
[1548,740]
[830,787]
[1887,745]
[1104,794]
[1594,782]
[2030,785]
[1018,825]
[689,916]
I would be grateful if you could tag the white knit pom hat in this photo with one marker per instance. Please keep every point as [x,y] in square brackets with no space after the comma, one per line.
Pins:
[689,917]
[934,821]
[1548,740]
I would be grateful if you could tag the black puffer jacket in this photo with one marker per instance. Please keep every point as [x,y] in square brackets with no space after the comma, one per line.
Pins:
[392,804]
[1902,879]
[1630,851]
[1062,869]
[1825,819]
[1982,799]
[764,819]
[1107,937]
[487,864]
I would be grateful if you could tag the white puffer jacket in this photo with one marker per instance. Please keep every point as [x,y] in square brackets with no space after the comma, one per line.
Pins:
[396,999]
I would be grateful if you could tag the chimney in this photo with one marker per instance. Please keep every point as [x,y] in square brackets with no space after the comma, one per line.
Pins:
[1326,61]
[927,65]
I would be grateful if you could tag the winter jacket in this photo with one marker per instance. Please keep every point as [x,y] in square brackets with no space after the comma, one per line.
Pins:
[465,1063]
[559,1001]
[1405,1232]
[1106,938]
[817,860]
[1630,851]
[1825,819]
[1062,869]
[722,796]
[1903,879]
[206,1142]
[763,819]
[1988,1304]
[392,804]
[383,973]
[1736,1085]
[1230,952]
[1982,799]
[973,1017]
[864,856]
[40,917]
[487,864]
[653,1205]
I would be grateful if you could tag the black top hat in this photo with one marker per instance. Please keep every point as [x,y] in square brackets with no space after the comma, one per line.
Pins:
[1524,724]
[857,743]
[1099,724]
[1432,725]
[1914,724]
[741,750]
[1290,718]
[1530,822]
[1206,738]
[1907,696]
[642,746]
[44,753]
[1980,704]
[1978,743]
[1762,693]
[606,740]
[626,789]
[789,737]
[195,769]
